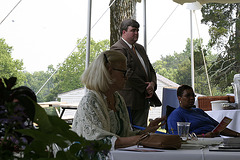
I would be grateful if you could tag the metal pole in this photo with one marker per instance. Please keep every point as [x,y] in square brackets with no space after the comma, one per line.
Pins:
[88,33]
[192,6]
[88,36]
[144,25]
[192,53]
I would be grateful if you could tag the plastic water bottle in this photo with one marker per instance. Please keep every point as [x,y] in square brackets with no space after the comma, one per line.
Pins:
[236,87]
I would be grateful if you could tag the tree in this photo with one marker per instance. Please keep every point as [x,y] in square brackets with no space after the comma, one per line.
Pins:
[120,10]
[8,66]
[37,79]
[224,28]
[68,76]
[164,67]
[177,67]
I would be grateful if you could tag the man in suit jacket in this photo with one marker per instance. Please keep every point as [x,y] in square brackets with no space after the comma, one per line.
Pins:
[139,92]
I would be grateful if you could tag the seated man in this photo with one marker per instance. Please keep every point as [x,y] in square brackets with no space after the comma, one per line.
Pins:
[201,123]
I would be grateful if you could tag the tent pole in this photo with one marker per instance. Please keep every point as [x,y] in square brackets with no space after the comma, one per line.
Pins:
[192,53]
[88,33]
[88,36]
[192,6]
[144,25]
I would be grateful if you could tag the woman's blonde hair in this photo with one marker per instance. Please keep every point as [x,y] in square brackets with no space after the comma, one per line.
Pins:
[97,77]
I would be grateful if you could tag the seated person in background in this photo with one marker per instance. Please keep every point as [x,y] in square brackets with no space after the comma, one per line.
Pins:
[23,90]
[17,113]
[201,123]
[25,97]
[102,113]
[19,95]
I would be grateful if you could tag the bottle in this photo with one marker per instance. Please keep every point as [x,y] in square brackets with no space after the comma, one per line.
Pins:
[236,87]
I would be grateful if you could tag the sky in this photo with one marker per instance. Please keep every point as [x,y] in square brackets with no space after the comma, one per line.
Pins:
[45,32]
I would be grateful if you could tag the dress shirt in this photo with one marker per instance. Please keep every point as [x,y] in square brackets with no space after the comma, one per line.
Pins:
[139,56]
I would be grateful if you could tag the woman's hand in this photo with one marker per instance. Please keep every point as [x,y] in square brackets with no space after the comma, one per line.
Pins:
[154,125]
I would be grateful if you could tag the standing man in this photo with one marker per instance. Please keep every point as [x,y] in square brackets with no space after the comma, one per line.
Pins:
[139,92]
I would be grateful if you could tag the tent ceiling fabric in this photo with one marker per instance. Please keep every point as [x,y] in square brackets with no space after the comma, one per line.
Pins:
[206,1]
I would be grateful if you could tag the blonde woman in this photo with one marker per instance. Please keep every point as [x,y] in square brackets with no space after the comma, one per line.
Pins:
[102,112]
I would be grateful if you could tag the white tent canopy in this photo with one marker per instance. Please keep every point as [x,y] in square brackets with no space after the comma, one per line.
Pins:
[206,1]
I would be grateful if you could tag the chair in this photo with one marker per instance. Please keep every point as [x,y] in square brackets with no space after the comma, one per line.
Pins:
[142,128]
[169,99]
[169,110]
[135,127]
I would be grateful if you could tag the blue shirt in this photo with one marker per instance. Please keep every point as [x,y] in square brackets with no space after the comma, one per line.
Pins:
[201,122]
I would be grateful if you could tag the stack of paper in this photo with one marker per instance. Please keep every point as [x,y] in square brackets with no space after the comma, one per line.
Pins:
[231,143]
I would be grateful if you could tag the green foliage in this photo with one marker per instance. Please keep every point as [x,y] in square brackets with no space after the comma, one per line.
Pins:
[220,18]
[19,139]
[37,79]
[177,67]
[69,73]
[67,77]
[8,66]
[224,29]
[161,67]
[54,133]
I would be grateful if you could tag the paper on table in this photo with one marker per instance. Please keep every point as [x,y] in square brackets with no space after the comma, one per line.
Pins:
[222,125]
[140,149]
[231,140]
[206,141]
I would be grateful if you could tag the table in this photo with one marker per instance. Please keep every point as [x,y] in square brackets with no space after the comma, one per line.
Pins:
[218,115]
[49,104]
[181,154]
[68,117]
[185,153]
[65,107]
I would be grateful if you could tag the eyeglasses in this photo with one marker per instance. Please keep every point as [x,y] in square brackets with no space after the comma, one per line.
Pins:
[192,136]
[120,70]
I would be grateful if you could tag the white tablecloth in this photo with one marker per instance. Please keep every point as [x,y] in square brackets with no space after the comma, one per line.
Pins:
[194,152]
[218,115]
[191,154]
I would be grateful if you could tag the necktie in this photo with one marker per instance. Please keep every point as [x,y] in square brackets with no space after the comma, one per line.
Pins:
[133,48]
[140,58]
